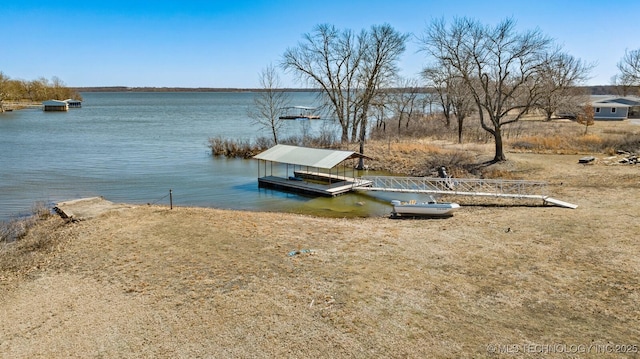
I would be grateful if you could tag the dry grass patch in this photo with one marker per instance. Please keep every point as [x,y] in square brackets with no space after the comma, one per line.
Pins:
[567,138]
[414,148]
[32,249]
[419,157]
[188,282]
[583,144]
[559,144]
[152,282]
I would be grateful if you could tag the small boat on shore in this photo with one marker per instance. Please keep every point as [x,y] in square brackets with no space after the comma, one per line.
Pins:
[429,208]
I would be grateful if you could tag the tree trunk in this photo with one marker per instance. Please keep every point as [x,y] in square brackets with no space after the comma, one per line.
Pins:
[363,136]
[344,138]
[549,114]
[361,159]
[354,131]
[446,111]
[499,155]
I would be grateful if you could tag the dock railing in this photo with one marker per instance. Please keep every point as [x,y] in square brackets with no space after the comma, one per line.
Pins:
[457,186]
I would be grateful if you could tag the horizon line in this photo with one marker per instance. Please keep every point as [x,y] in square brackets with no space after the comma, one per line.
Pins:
[235,89]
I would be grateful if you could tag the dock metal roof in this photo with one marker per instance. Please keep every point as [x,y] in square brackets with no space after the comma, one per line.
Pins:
[54,103]
[305,156]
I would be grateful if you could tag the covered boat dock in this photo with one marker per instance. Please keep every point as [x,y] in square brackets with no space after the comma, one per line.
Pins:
[55,105]
[314,171]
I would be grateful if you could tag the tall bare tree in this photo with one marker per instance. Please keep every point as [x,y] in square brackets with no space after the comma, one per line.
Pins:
[328,59]
[462,103]
[383,47]
[499,66]
[438,78]
[561,74]
[270,102]
[629,67]
[349,69]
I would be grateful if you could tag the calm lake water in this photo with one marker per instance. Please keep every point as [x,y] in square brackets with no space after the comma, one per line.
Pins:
[135,147]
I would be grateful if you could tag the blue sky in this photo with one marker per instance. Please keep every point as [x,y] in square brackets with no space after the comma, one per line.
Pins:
[227,43]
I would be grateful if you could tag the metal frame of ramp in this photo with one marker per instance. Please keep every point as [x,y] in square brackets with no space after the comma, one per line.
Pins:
[518,189]
[560,203]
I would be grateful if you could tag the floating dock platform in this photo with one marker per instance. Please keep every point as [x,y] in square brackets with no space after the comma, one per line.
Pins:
[314,183]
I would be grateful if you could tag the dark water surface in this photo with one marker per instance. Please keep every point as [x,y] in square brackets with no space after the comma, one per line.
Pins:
[134,147]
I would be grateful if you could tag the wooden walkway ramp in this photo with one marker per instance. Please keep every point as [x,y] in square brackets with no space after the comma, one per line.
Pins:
[517,189]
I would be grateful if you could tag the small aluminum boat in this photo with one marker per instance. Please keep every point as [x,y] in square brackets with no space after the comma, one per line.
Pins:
[430,208]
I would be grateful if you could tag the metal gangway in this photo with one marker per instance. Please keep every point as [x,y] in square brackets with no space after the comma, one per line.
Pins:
[518,189]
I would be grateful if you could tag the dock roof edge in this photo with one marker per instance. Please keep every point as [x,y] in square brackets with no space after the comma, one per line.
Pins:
[306,156]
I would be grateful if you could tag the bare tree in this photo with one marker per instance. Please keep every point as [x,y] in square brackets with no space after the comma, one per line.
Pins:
[620,88]
[498,65]
[404,101]
[561,74]
[58,86]
[39,89]
[383,47]
[379,106]
[438,78]
[270,102]
[629,67]
[462,103]
[350,70]
[453,94]
[328,59]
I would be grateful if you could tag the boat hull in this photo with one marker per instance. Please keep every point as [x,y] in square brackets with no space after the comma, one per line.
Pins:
[424,209]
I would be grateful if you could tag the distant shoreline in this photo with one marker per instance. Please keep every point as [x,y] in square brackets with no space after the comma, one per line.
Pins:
[181,89]
[593,90]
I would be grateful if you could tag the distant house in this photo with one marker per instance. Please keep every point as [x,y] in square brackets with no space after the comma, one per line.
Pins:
[608,107]
[55,105]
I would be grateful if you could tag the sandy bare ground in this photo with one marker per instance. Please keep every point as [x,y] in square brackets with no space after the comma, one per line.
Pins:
[492,281]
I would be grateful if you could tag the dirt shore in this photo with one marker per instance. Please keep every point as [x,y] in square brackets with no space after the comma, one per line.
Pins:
[492,281]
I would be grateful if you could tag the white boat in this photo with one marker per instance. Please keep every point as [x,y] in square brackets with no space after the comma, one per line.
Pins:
[430,208]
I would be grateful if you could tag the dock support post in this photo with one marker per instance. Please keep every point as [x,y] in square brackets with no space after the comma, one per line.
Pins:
[170,199]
